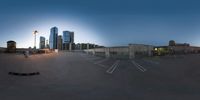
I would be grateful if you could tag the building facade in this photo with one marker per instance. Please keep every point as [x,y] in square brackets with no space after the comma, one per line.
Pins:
[42,42]
[68,40]
[83,46]
[175,49]
[11,46]
[60,42]
[53,39]
[71,37]
[47,44]
[68,37]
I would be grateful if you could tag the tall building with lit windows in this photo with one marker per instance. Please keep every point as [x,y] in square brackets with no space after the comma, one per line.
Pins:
[53,39]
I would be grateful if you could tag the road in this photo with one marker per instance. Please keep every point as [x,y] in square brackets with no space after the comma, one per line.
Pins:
[78,76]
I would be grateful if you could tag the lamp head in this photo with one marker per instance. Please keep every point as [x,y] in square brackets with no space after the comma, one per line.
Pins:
[35,32]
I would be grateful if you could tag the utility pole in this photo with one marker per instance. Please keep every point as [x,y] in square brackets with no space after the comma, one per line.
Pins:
[35,32]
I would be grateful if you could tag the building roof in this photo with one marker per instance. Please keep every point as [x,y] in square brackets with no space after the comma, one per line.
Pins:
[11,41]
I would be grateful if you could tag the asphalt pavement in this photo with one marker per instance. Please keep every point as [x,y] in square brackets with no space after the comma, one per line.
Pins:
[78,76]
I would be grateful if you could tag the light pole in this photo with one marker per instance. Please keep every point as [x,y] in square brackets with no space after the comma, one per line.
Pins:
[35,32]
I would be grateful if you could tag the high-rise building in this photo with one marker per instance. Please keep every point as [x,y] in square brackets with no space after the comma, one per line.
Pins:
[42,42]
[72,37]
[47,44]
[68,40]
[60,42]
[53,39]
[68,37]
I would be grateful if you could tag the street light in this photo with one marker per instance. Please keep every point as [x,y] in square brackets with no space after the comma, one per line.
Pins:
[35,32]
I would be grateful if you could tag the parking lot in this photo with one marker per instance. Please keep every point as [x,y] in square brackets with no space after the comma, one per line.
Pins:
[78,76]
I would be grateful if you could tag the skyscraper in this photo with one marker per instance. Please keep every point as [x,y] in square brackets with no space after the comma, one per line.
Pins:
[42,42]
[53,39]
[60,41]
[47,44]
[68,40]
[71,37]
[68,37]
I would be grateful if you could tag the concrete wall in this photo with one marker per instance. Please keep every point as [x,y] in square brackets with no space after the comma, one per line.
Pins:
[140,50]
[130,51]
[2,50]
[185,49]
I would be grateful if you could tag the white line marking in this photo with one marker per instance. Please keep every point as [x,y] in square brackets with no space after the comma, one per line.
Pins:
[139,66]
[113,67]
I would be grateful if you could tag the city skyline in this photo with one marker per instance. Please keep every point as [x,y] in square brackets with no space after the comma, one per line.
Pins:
[108,23]
[99,49]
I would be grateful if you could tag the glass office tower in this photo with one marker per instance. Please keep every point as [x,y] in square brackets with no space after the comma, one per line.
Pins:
[53,39]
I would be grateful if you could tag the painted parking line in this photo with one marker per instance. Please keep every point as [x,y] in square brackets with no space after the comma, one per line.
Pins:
[138,66]
[113,67]
[101,61]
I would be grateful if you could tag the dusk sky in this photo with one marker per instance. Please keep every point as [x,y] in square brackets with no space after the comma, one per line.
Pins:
[104,22]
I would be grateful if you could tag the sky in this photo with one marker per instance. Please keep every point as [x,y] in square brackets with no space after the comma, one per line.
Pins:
[103,22]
